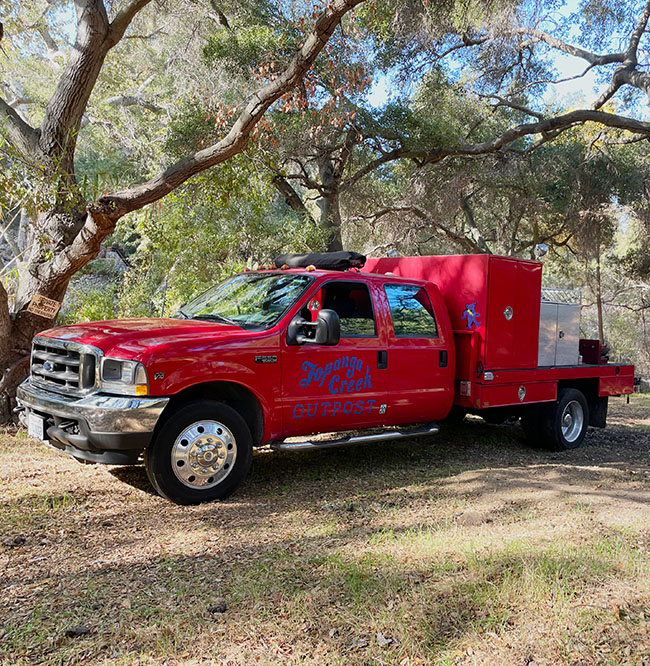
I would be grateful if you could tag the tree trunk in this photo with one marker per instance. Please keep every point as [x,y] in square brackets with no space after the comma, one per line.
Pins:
[50,267]
[599,296]
[328,203]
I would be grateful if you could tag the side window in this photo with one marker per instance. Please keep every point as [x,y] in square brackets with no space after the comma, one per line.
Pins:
[351,301]
[411,311]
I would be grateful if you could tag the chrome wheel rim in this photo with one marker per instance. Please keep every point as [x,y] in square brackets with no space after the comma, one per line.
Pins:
[572,420]
[204,454]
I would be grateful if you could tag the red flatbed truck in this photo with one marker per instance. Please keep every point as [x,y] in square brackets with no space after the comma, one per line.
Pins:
[274,355]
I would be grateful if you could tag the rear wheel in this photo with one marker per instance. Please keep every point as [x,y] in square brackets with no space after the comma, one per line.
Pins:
[202,453]
[565,422]
[559,425]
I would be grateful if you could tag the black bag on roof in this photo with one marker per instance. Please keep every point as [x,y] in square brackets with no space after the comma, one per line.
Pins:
[331,261]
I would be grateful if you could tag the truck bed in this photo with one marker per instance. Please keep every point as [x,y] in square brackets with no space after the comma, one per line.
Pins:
[501,388]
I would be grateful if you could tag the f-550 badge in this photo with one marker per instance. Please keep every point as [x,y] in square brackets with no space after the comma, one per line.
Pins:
[266,359]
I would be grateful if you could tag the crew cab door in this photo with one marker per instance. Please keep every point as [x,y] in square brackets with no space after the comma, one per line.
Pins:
[329,388]
[421,359]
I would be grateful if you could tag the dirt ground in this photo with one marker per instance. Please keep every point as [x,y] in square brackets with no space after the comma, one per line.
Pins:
[463,548]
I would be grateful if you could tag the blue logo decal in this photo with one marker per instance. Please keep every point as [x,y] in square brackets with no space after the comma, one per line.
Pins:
[471,315]
[347,374]
[48,365]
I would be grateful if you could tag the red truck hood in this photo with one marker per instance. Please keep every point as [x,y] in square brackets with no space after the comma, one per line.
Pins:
[131,338]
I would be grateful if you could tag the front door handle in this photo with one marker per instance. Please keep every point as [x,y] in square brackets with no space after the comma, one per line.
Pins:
[443,358]
[382,360]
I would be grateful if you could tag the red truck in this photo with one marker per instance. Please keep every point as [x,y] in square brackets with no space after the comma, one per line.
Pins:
[274,356]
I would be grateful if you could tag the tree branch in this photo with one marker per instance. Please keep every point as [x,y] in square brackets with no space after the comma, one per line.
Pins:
[474,230]
[118,204]
[132,100]
[635,38]
[466,243]
[95,37]
[291,197]
[123,19]
[593,59]
[22,136]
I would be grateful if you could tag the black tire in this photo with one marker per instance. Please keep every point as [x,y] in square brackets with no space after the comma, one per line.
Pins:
[564,422]
[206,435]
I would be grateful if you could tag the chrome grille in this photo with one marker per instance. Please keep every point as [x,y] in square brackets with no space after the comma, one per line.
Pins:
[66,367]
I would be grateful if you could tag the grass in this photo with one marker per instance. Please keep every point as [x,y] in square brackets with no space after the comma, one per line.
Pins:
[464,548]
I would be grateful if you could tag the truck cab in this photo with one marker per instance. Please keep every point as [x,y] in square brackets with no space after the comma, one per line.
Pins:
[262,357]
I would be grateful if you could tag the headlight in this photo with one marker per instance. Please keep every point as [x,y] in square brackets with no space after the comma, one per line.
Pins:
[123,377]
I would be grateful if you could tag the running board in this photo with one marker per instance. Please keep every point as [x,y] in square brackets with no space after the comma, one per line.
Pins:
[430,429]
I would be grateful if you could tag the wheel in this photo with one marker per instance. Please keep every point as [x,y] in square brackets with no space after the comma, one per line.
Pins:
[564,422]
[202,453]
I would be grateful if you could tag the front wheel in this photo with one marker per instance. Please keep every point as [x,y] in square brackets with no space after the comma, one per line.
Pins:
[202,453]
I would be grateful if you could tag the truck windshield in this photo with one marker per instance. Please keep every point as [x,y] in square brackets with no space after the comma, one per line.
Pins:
[255,300]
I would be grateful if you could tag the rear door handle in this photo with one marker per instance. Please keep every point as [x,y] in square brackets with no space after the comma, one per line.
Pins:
[382,360]
[443,358]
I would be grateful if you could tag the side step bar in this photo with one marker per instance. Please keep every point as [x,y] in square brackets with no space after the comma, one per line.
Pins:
[429,429]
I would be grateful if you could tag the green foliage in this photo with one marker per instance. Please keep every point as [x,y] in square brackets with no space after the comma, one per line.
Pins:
[219,224]
[89,302]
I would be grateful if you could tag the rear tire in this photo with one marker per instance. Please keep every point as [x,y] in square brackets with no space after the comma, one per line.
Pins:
[202,453]
[564,423]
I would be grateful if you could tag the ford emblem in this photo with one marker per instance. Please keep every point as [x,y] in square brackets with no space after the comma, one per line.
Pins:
[48,365]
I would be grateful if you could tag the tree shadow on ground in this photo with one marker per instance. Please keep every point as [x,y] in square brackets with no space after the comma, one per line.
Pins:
[498,454]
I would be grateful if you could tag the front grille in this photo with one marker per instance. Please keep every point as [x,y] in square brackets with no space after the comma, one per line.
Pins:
[63,366]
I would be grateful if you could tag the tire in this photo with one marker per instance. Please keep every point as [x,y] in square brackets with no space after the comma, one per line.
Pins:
[564,423]
[201,453]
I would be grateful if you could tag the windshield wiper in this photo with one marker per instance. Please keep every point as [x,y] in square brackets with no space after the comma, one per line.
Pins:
[219,318]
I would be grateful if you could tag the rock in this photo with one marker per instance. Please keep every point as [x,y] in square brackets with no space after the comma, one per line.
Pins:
[360,643]
[14,542]
[75,632]
[219,606]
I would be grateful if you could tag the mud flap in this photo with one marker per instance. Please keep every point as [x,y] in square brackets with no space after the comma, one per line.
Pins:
[598,412]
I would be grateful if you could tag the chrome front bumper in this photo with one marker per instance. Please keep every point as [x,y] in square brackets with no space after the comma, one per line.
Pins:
[94,426]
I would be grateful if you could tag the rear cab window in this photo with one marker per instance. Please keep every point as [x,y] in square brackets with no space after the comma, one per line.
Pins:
[411,311]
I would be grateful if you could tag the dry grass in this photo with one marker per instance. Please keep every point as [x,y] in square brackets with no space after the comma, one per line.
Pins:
[465,548]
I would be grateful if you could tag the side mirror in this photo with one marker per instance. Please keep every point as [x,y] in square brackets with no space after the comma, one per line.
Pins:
[326,330]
